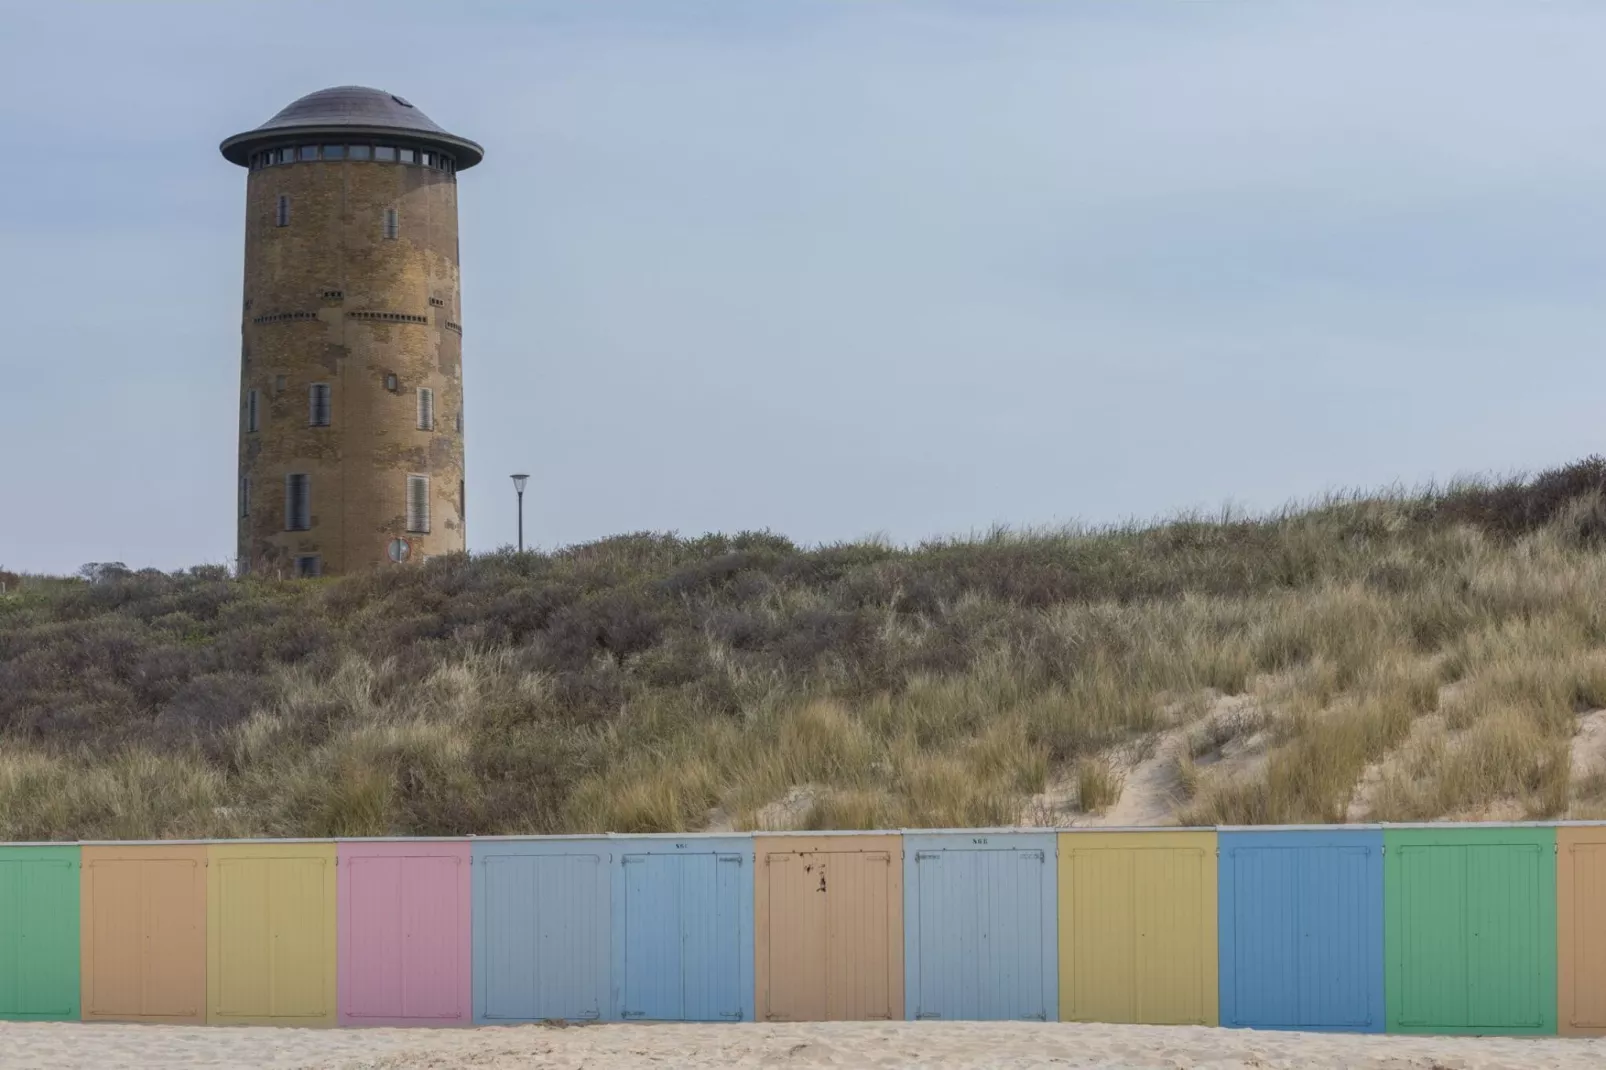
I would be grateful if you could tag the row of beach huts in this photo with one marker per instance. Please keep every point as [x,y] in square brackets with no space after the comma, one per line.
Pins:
[1430,929]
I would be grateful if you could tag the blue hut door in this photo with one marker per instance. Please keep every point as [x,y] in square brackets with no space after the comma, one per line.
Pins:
[682,937]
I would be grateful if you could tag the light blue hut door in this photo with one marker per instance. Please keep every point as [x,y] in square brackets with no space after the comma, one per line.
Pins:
[682,933]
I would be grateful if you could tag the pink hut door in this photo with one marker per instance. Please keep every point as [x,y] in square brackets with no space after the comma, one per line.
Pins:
[405,934]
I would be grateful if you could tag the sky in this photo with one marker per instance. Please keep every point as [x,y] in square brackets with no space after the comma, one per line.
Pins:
[837,268]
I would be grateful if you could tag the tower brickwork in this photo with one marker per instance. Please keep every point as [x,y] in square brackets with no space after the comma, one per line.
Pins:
[351,361]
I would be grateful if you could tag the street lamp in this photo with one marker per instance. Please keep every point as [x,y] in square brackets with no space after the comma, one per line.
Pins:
[518,486]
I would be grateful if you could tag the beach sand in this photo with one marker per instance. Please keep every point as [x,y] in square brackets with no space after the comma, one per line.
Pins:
[51,1046]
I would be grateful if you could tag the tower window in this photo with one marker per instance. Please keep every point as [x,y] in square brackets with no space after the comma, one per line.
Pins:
[278,384]
[426,409]
[390,383]
[250,410]
[308,152]
[297,502]
[308,566]
[318,405]
[418,505]
[460,421]
[334,152]
[361,152]
[245,496]
[462,500]
[281,216]
[408,155]
[392,223]
[387,153]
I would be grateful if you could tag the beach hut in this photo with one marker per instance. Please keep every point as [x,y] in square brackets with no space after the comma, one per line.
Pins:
[683,928]
[1301,929]
[542,929]
[828,921]
[1581,929]
[405,932]
[143,932]
[1137,926]
[1470,928]
[980,933]
[270,933]
[39,932]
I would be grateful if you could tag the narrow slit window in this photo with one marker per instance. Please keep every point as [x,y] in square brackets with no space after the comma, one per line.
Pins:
[251,410]
[318,405]
[462,500]
[245,496]
[281,216]
[392,223]
[418,505]
[297,502]
[426,409]
[459,421]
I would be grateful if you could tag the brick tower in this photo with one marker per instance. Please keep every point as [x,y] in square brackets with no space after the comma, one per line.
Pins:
[351,358]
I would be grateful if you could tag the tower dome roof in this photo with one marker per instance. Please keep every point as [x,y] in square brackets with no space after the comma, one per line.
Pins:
[346,110]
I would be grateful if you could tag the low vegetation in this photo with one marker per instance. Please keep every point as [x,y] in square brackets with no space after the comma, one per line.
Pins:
[1428,654]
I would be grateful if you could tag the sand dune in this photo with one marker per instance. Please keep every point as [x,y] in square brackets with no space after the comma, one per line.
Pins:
[947,1045]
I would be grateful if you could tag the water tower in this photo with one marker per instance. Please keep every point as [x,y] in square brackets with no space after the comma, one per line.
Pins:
[351,349]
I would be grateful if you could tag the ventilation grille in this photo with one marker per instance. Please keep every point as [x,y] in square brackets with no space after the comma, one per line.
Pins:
[450,326]
[437,302]
[284,317]
[334,295]
[387,317]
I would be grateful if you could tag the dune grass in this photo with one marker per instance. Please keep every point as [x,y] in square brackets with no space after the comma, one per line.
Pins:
[652,683]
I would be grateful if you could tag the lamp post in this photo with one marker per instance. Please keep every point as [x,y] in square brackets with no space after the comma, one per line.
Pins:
[518,487]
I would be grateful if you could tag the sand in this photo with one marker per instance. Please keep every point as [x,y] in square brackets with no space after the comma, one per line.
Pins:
[837,1044]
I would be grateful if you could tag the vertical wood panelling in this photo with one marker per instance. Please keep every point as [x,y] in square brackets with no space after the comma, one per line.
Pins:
[829,927]
[1470,929]
[542,930]
[1581,930]
[405,933]
[980,927]
[143,925]
[1301,929]
[1137,927]
[39,921]
[683,924]
[271,934]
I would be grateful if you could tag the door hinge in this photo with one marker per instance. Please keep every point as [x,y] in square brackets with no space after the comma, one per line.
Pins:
[926,1015]
[734,1016]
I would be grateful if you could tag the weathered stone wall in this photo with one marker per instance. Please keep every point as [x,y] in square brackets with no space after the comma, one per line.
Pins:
[330,299]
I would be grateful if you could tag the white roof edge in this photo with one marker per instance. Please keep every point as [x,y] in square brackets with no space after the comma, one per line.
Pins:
[1357,827]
